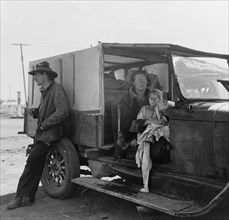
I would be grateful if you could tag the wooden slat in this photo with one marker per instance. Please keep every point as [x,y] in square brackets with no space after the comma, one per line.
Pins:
[106,147]
[91,153]
[132,194]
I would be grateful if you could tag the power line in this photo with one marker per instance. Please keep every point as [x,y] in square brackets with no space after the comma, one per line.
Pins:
[45,46]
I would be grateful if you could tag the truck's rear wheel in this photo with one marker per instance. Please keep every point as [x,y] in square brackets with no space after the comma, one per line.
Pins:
[61,166]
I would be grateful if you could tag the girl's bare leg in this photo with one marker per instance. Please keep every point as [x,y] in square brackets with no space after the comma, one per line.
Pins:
[139,155]
[146,167]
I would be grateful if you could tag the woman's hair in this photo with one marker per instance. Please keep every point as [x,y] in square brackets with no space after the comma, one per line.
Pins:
[139,72]
[157,92]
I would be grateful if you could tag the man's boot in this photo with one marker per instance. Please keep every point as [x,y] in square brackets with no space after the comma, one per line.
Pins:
[15,203]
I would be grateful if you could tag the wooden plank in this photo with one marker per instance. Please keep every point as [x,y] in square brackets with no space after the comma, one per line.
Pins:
[74,80]
[132,194]
[100,130]
[88,129]
[106,147]
[61,71]
[91,153]
[123,162]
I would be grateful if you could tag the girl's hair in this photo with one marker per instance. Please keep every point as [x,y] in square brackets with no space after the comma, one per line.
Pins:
[140,72]
[157,92]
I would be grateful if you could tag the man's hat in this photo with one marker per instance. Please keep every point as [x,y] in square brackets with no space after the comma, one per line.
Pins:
[44,67]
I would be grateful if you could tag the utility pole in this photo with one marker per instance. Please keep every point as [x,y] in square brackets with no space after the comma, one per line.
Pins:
[9,102]
[23,70]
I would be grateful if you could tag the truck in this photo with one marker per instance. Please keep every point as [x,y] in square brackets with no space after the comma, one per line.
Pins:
[195,179]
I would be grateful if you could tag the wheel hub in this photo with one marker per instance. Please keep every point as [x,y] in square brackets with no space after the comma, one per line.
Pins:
[56,168]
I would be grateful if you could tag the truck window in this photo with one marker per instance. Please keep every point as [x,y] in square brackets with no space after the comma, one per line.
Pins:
[161,71]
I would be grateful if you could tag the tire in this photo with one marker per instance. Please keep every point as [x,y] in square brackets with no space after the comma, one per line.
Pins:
[61,166]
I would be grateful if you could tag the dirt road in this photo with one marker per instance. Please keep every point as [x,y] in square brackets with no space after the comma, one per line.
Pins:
[13,147]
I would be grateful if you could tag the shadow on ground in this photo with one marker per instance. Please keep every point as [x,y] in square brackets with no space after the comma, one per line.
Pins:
[84,204]
[87,204]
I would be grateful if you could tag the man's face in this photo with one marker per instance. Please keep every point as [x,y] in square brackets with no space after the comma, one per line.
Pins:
[140,82]
[39,78]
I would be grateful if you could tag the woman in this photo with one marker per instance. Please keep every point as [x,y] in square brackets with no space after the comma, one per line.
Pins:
[131,103]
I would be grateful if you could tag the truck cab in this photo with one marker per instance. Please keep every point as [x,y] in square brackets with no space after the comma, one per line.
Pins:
[195,179]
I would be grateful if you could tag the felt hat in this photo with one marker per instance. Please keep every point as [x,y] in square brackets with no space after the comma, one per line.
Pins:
[44,67]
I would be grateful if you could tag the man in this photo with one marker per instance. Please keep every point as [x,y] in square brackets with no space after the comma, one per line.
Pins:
[52,112]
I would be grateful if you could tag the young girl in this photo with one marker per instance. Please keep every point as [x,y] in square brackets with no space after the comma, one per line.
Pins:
[157,127]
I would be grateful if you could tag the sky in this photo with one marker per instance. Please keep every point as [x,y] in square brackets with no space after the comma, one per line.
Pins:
[55,27]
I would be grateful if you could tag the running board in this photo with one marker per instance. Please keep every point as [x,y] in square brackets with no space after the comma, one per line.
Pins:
[131,193]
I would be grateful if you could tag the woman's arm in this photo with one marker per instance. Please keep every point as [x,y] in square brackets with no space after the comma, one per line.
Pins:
[130,123]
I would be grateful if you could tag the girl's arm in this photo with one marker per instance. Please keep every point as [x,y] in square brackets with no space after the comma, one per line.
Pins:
[141,113]
[155,121]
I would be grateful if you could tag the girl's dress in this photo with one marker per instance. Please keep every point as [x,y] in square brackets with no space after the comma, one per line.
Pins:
[152,133]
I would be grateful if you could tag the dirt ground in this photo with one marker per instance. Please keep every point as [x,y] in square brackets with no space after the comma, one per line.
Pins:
[13,148]
[84,204]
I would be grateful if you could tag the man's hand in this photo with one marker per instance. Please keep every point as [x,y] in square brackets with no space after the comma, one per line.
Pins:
[29,149]
[34,112]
